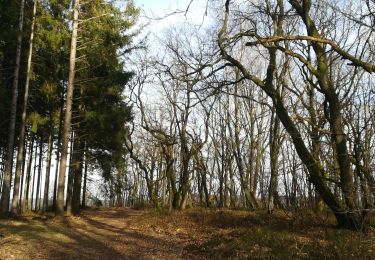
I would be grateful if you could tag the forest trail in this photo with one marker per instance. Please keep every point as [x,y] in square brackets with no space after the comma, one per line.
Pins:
[122,233]
[95,234]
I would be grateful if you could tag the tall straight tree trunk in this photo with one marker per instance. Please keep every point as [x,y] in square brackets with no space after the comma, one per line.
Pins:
[221,172]
[5,195]
[1,180]
[39,173]
[69,190]
[259,148]
[20,159]
[77,163]
[22,174]
[58,150]
[1,171]
[33,183]
[84,181]
[68,113]
[232,191]
[274,161]
[164,189]
[275,122]
[48,169]
[77,169]
[28,174]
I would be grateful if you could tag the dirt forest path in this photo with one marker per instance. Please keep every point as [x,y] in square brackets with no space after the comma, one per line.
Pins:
[118,233]
[96,234]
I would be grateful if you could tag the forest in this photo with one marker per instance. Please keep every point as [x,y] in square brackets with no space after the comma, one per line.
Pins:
[237,124]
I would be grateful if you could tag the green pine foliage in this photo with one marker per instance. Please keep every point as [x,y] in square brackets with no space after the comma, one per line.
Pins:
[100,112]
[8,35]
[101,78]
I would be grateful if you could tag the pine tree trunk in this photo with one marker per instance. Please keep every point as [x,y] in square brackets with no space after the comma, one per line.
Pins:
[20,159]
[5,195]
[48,169]
[38,191]
[22,175]
[68,113]
[28,174]
[77,169]
[58,150]
[69,190]
[84,182]
[1,170]
[33,183]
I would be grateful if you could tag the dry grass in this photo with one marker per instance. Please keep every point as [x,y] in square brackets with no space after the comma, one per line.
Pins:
[192,234]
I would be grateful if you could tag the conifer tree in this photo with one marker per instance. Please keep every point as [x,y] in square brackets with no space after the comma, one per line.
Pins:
[5,195]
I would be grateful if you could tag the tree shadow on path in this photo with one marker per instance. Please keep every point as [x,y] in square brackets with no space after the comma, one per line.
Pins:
[95,234]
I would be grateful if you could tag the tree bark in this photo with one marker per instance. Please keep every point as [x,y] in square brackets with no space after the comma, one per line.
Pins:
[38,186]
[33,183]
[15,205]
[338,136]
[77,169]
[274,158]
[58,150]
[22,175]
[5,194]
[68,113]
[25,205]
[48,169]
[69,189]
[84,181]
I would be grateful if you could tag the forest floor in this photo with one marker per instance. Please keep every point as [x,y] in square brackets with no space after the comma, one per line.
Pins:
[117,233]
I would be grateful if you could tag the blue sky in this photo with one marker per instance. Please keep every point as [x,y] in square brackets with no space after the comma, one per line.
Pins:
[149,4]
[161,5]
[163,8]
